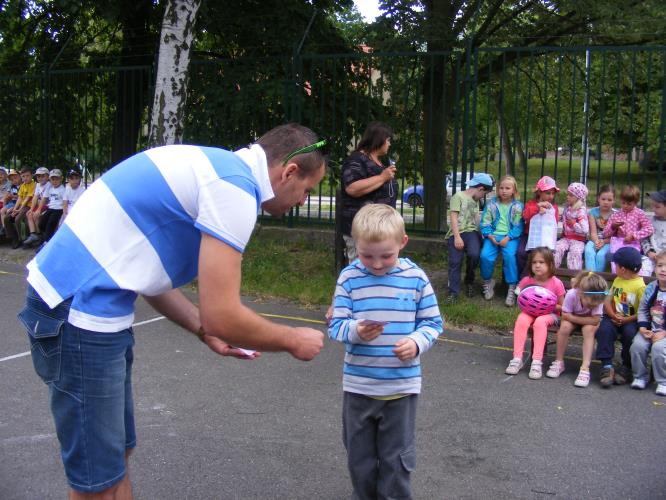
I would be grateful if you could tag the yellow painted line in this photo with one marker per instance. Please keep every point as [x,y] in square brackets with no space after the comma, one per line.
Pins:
[295,318]
[12,274]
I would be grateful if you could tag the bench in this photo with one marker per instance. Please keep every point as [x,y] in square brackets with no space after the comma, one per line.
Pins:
[566,275]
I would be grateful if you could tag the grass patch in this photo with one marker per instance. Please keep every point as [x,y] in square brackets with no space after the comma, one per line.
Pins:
[304,274]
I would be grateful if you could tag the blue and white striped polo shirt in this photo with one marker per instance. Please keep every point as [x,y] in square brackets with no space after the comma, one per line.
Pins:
[137,229]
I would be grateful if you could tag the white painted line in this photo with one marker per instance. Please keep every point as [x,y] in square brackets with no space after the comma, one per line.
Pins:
[27,353]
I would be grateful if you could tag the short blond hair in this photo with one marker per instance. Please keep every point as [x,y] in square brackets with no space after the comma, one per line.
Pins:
[377,222]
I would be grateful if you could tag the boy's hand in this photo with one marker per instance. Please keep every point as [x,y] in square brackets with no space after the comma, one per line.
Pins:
[406,349]
[658,335]
[652,256]
[458,243]
[369,332]
[647,334]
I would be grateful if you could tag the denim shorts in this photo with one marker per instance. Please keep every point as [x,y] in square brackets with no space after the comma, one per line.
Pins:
[89,375]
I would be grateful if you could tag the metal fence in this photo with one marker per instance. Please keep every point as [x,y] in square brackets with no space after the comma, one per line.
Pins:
[596,114]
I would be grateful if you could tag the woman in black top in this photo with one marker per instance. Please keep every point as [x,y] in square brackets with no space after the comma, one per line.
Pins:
[365,179]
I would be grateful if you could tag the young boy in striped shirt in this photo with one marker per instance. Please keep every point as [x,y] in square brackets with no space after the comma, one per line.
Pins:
[386,314]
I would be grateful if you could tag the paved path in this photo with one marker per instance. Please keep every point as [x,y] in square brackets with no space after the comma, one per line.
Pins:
[212,428]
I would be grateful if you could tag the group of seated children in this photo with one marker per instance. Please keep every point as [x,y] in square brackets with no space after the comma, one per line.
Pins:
[632,242]
[42,204]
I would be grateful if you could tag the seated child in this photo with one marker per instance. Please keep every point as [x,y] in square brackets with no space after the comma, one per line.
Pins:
[49,221]
[5,185]
[629,225]
[463,236]
[651,332]
[620,316]
[10,198]
[73,192]
[386,314]
[598,247]
[575,227]
[41,190]
[583,306]
[501,227]
[657,242]
[542,273]
[542,204]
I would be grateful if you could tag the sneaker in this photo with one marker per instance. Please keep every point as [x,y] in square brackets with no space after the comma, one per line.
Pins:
[16,243]
[488,289]
[583,379]
[469,291]
[622,375]
[31,239]
[607,377]
[556,369]
[661,390]
[511,296]
[451,299]
[639,384]
[514,366]
[535,370]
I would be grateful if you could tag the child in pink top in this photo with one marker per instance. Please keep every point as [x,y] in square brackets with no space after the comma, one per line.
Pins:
[575,228]
[541,265]
[583,306]
[629,225]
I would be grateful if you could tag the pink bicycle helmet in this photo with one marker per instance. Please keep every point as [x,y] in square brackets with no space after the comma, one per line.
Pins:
[536,300]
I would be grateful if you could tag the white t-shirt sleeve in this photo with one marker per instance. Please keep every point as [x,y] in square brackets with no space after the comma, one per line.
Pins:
[227,211]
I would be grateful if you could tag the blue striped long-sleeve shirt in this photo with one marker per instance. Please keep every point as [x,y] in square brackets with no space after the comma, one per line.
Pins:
[405,299]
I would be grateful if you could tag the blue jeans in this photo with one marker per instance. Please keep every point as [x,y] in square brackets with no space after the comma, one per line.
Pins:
[606,335]
[595,260]
[489,254]
[89,375]
[472,248]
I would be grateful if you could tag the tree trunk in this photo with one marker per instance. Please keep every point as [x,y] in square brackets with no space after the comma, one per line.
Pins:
[166,124]
[519,150]
[509,162]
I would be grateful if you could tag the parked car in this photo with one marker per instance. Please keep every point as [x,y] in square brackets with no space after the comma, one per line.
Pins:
[413,195]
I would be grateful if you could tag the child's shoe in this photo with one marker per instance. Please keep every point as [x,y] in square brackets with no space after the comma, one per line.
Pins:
[583,379]
[535,370]
[639,384]
[488,289]
[622,375]
[607,377]
[514,366]
[556,369]
[451,299]
[661,390]
[510,296]
[469,291]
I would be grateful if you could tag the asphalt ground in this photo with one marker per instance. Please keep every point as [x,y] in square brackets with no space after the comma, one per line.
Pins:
[218,428]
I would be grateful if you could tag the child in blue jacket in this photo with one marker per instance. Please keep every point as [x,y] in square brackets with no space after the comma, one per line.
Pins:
[501,226]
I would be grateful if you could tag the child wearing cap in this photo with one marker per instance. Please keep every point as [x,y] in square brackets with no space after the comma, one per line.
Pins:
[13,217]
[542,204]
[10,197]
[575,226]
[620,316]
[41,190]
[657,242]
[73,192]
[5,185]
[50,219]
[463,236]
[629,225]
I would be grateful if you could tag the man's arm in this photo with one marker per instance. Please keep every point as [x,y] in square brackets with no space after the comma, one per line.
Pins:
[224,316]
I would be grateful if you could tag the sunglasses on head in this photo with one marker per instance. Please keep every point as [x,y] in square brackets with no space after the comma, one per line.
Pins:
[304,150]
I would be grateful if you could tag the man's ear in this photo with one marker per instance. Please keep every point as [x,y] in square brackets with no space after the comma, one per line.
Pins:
[289,170]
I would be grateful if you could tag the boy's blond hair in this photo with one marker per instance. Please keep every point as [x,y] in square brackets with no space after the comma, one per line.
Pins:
[377,222]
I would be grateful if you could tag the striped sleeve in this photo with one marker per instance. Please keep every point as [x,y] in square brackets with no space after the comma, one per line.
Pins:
[342,327]
[429,323]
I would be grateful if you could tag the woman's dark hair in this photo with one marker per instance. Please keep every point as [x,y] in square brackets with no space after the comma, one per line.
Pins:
[282,140]
[374,137]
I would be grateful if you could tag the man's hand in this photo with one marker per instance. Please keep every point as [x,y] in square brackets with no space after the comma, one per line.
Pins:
[369,332]
[220,347]
[458,243]
[306,343]
[406,349]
